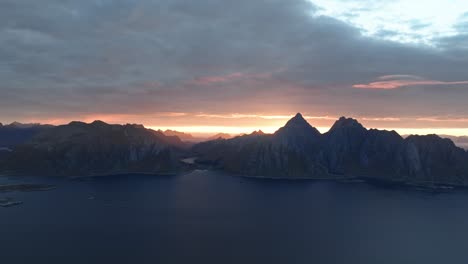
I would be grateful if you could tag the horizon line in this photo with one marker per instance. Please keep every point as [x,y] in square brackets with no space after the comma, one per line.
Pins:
[209,130]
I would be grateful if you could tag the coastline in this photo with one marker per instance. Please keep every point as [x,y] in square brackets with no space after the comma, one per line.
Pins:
[387,183]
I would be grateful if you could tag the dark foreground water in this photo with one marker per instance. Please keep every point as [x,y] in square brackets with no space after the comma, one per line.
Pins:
[204,217]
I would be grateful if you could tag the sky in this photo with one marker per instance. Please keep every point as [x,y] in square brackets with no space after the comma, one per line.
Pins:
[210,66]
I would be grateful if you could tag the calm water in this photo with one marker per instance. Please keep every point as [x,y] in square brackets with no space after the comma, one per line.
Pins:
[204,217]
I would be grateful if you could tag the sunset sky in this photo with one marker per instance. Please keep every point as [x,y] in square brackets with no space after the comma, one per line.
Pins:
[210,66]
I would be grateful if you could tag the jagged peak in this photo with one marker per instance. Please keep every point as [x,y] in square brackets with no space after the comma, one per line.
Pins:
[345,122]
[298,118]
[297,121]
[298,125]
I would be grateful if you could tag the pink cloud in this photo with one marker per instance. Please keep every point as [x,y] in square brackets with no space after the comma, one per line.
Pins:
[399,77]
[389,82]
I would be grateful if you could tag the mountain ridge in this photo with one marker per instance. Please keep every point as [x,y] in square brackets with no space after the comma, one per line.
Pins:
[82,149]
[296,150]
[347,150]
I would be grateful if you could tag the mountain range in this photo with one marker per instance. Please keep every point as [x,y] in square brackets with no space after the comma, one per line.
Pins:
[80,149]
[295,151]
[347,150]
[17,133]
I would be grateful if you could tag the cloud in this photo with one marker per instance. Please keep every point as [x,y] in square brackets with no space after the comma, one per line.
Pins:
[398,81]
[398,20]
[65,59]
[220,79]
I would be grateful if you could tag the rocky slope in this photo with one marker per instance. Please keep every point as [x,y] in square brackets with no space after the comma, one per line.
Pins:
[298,150]
[79,149]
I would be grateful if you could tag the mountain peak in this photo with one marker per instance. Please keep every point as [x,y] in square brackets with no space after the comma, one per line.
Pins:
[16,123]
[345,122]
[220,136]
[298,116]
[258,133]
[298,127]
[99,123]
[182,135]
[297,120]
[76,123]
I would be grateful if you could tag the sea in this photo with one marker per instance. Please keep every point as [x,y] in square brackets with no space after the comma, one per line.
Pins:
[212,217]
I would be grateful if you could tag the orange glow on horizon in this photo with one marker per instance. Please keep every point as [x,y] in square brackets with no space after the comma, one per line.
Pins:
[212,130]
[208,124]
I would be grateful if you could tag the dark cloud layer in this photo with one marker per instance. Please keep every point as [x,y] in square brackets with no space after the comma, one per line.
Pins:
[70,58]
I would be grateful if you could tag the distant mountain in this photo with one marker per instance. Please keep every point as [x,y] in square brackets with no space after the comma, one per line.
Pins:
[17,133]
[79,149]
[219,135]
[347,150]
[26,125]
[183,136]
[461,141]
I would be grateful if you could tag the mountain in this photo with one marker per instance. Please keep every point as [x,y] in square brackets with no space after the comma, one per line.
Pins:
[183,136]
[298,133]
[297,150]
[289,152]
[25,125]
[347,150]
[219,135]
[80,149]
[342,144]
[461,141]
[17,133]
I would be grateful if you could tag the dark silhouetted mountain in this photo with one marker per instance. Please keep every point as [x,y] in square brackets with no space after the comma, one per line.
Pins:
[290,152]
[297,150]
[297,133]
[342,144]
[79,149]
[434,159]
[17,133]
[347,150]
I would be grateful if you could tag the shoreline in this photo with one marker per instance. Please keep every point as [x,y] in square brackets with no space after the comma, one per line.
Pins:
[425,186]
